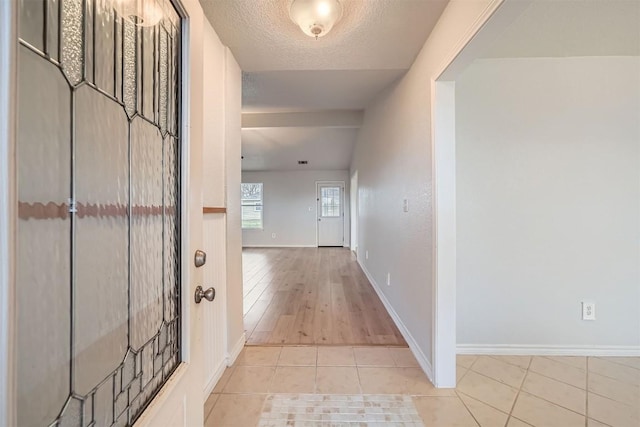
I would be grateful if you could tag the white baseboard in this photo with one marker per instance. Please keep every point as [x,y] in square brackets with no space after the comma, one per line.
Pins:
[229,360]
[279,246]
[413,345]
[208,389]
[549,350]
[235,351]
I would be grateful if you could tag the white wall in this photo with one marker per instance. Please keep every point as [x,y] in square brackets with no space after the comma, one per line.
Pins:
[290,206]
[221,171]
[233,117]
[214,118]
[393,160]
[548,201]
[221,166]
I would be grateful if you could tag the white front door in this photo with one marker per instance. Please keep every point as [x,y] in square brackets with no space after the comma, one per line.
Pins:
[330,210]
[109,215]
[180,403]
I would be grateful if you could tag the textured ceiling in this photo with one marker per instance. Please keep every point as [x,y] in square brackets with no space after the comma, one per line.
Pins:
[372,34]
[281,148]
[373,44]
[572,28]
[313,90]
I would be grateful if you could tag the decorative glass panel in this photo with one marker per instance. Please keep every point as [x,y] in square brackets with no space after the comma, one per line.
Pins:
[173,81]
[32,22]
[105,45]
[171,228]
[330,200]
[72,32]
[146,232]
[52,8]
[148,72]
[102,237]
[130,77]
[44,228]
[99,215]
[164,78]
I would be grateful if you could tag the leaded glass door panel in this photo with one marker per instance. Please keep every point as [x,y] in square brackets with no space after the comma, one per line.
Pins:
[98,234]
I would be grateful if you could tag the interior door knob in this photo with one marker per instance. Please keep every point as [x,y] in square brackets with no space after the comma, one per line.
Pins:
[209,294]
[200,258]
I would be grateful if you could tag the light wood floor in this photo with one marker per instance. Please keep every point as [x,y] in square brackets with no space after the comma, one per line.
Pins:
[312,296]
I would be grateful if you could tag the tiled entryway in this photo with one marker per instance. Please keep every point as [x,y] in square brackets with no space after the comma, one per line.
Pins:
[512,391]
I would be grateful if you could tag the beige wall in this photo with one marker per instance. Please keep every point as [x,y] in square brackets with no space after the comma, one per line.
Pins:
[393,160]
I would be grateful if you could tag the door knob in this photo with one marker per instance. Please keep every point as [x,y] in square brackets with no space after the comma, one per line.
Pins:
[200,258]
[209,294]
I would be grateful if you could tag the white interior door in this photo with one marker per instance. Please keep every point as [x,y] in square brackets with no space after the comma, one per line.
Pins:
[330,196]
[109,215]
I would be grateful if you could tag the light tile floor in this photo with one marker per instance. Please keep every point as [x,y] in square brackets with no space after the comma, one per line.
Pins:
[513,391]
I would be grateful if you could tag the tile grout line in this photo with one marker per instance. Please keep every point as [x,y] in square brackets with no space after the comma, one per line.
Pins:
[556,379]
[549,357]
[466,371]
[527,371]
[555,403]
[498,358]
[494,379]
[617,379]
[518,393]
[467,408]
[358,375]
[608,359]
[586,396]
[484,403]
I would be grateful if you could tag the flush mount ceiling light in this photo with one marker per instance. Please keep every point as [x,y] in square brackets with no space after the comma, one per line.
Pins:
[315,17]
[144,13]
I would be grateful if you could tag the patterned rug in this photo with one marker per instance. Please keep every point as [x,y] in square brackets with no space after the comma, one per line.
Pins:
[313,410]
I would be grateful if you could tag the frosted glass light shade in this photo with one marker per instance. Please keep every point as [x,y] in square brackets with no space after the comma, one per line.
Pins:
[144,13]
[315,17]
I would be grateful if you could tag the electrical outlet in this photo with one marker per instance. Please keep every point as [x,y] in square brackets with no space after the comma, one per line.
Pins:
[388,279]
[588,311]
[366,254]
[273,235]
[405,205]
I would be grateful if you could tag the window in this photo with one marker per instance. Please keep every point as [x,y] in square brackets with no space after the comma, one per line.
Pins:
[330,201]
[251,205]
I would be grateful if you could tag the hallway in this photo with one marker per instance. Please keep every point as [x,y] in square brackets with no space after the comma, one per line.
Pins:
[312,296]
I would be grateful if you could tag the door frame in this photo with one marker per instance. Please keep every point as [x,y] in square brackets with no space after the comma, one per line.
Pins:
[8,207]
[318,211]
[353,212]
[443,136]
